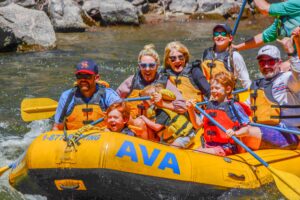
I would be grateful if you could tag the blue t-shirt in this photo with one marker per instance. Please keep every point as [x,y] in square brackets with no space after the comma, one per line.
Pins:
[110,97]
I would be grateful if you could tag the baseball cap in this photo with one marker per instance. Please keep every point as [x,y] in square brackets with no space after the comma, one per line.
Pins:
[269,50]
[226,27]
[87,66]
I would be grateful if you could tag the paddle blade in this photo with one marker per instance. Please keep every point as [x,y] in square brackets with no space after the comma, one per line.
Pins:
[3,170]
[288,184]
[37,108]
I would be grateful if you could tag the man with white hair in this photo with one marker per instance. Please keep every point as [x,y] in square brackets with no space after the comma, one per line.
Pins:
[275,98]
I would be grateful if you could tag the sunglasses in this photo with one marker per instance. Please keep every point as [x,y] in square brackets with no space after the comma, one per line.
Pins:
[145,65]
[269,62]
[223,33]
[84,76]
[174,58]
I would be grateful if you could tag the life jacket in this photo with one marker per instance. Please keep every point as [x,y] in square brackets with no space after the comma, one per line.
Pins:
[266,109]
[138,84]
[127,131]
[212,65]
[178,126]
[84,113]
[222,114]
[185,83]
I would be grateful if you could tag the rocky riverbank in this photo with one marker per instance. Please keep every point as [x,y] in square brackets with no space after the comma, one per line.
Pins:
[31,24]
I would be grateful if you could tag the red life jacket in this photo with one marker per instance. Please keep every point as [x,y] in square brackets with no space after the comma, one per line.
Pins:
[222,114]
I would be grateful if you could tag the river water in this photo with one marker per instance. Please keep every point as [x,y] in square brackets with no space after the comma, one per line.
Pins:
[47,74]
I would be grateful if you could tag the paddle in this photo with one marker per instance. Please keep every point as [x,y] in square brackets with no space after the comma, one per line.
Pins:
[288,184]
[276,128]
[239,18]
[43,108]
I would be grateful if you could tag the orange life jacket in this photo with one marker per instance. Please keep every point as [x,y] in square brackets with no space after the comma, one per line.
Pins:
[222,114]
[85,113]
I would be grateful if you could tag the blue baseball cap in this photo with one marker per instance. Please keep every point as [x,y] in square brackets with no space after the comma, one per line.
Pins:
[226,27]
[87,66]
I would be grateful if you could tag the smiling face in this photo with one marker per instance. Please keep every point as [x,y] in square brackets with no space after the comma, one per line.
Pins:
[148,73]
[115,121]
[176,61]
[221,40]
[218,92]
[268,66]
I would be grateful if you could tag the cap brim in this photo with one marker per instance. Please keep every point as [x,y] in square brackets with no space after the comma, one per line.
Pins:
[257,57]
[85,72]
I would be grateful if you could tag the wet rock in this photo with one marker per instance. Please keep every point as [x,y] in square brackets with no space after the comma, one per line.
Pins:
[187,6]
[65,16]
[112,12]
[5,2]
[25,3]
[25,29]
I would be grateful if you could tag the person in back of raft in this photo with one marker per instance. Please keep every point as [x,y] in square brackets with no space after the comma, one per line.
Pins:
[171,127]
[275,98]
[188,78]
[227,112]
[86,102]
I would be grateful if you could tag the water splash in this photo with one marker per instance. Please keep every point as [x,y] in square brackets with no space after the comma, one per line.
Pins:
[11,147]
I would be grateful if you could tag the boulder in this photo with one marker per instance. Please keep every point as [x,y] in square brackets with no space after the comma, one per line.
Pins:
[25,3]
[186,6]
[112,12]
[5,2]
[65,16]
[25,29]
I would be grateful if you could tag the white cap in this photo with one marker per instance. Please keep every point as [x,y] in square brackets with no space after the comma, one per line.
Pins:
[269,50]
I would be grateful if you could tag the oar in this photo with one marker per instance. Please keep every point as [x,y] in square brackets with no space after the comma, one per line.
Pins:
[288,184]
[276,128]
[43,108]
[237,21]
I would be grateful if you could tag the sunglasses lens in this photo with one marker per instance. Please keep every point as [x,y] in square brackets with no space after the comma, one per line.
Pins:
[145,65]
[270,62]
[83,76]
[223,33]
[174,58]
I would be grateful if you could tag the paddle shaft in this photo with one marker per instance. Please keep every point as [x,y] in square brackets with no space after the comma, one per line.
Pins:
[233,137]
[276,128]
[239,18]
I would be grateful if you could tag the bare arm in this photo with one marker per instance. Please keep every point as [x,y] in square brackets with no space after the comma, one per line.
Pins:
[254,42]
[263,6]
[195,119]
[57,126]
[124,89]
[179,104]
[154,126]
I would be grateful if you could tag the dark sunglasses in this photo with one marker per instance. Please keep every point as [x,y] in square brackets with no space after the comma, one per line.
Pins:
[84,76]
[174,58]
[145,65]
[223,33]
[269,62]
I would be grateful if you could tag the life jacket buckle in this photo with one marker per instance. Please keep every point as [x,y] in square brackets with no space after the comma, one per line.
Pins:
[211,65]
[177,81]
[85,122]
[210,132]
[254,108]
[253,95]
[87,110]
[212,114]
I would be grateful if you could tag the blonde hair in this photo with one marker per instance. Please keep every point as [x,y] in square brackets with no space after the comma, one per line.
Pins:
[225,79]
[150,89]
[149,50]
[179,47]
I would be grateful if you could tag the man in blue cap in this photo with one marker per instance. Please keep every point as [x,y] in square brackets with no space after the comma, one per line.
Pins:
[86,102]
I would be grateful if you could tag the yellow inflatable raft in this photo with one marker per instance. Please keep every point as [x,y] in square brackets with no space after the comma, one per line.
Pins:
[110,165]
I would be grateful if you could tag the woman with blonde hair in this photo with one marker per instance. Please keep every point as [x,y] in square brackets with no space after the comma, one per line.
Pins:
[148,63]
[188,78]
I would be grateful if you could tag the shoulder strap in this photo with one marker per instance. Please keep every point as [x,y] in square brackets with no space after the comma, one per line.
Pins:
[102,94]
[68,101]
